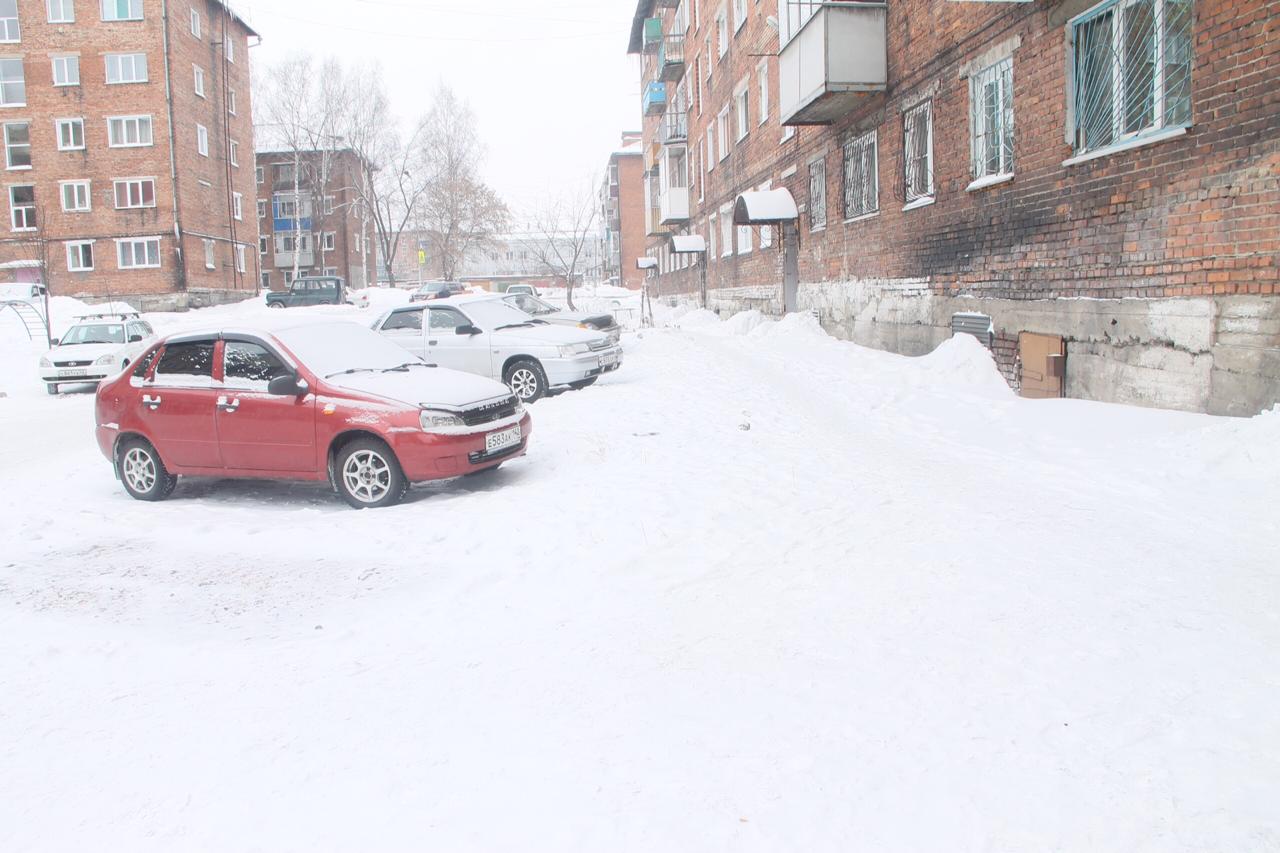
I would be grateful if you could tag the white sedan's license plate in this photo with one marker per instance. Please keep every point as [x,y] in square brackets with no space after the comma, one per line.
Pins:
[609,360]
[69,374]
[496,441]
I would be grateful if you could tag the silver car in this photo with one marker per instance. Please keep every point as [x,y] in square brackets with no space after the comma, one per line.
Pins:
[535,307]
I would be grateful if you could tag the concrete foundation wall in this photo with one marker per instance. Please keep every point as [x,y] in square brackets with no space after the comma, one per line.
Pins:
[184,301]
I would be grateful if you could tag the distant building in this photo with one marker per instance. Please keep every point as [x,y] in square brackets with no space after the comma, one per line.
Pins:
[128,141]
[316,222]
[622,215]
[505,259]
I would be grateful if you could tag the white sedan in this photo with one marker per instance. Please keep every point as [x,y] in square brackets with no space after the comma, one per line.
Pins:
[94,348]
[486,336]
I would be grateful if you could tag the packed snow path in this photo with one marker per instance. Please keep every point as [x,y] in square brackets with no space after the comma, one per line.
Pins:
[757,591]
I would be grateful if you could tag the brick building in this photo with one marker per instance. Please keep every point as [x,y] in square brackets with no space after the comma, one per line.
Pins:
[1092,186]
[128,149]
[622,215]
[310,218]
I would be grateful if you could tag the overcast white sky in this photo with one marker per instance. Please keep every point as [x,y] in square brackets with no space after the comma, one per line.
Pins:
[551,83]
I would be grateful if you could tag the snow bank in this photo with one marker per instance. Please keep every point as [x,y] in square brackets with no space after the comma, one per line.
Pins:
[1242,448]
[963,361]
[799,326]
[696,319]
[744,322]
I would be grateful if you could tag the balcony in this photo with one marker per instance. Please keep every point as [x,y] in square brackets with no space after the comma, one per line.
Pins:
[652,34]
[668,4]
[675,127]
[833,56]
[284,260]
[655,98]
[673,205]
[671,58]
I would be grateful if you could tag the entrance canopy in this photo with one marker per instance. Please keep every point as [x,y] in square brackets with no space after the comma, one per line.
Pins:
[646,263]
[765,207]
[688,244]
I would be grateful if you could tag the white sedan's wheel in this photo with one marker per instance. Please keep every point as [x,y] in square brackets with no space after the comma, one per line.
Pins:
[527,381]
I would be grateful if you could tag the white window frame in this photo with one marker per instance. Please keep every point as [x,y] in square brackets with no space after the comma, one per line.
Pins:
[140,121]
[233,152]
[133,63]
[722,131]
[264,244]
[8,145]
[59,124]
[241,262]
[133,243]
[198,80]
[327,202]
[329,241]
[28,210]
[82,196]
[230,45]
[20,80]
[853,150]
[722,33]
[262,208]
[231,101]
[762,74]
[130,183]
[70,65]
[210,254]
[75,255]
[133,15]
[202,140]
[10,29]
[195,24]
[740,12]
[710,159]
[998,75]
[914,197]
[742,110]
[260,174]
[744,240]
[726,231]
[65,11]
[711,238]
[766,231]
[237,206]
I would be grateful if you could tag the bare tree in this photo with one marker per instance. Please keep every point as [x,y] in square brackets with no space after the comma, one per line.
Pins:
[460,213]
[561,231]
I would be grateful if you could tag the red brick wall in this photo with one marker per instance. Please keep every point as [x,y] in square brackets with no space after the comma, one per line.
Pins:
[631,211]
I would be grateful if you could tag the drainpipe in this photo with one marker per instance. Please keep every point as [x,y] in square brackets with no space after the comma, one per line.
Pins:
[173,143]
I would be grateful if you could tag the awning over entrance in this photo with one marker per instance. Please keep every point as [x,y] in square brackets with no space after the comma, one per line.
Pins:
[688,244]
[765,207]
[646,263]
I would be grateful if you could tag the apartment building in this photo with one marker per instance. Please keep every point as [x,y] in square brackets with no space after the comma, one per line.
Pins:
[311,220]
[128,149]
[622,215]
[1090,187]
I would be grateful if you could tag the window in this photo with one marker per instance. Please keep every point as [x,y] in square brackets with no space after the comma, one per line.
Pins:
[126,68]
[917,155]
[283,173]
[61,11]
[202,140]
[710,159]
[1132,71]
[707,64]
[818,195]
[722,130]
[262,208]
[122,10]
[231,48]
[264,245]
[288,278]
[9,30]
[129,131]
[66,71]
[250,367]
[741,106]
[76,197]
[726,231]
[329,241]
[195,23]
[231,101]
[135,192]
[240,259]
[331,271]
[991,120]
[17,145]
[446,318]
[237,205]
[210,255]
[285,243]
[861,181]
[13,83]
[266,281]
[260,175]
[22,208]
[722,33]
[233,151]
[199,80]
[80,256]
[762,72]
[182,363]
[404,321]
[328,205]
[744,239]
[142,253]
[739,14]
[70,134]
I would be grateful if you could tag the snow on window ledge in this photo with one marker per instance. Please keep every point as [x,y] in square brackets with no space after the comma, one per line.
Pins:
[989,181]
[1128,145]
[920,202]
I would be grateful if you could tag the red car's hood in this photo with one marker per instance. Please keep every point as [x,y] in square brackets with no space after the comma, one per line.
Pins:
[425,386]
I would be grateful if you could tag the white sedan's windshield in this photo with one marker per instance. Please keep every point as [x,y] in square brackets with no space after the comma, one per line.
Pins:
[332,348]
[489,315]
[98,333]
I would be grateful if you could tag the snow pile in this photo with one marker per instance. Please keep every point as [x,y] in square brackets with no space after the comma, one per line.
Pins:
[744,322]
[962,361]
[798,326]
[697,318]
[1246,448]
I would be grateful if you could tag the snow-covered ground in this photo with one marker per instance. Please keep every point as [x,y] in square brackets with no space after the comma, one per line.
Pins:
[759,590]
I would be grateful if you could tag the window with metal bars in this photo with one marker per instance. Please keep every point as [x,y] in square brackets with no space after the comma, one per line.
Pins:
[818,195]
[917,151]
[1132,71]
[861,182]
[991,120]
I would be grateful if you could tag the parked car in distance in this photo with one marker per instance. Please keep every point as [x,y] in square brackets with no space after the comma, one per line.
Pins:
[437,290]
[535,307]
[97,346]
[526,289]
[32,294]
[329,401]
[312,290]
[486,336]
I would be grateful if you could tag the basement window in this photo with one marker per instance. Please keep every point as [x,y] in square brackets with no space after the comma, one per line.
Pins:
[1131,72]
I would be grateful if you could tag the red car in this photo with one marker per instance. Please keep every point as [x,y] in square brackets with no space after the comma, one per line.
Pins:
[331,401]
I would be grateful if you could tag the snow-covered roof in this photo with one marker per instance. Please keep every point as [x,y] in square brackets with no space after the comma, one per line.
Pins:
[646,263]
[765,207]
[20,265]
[688,244]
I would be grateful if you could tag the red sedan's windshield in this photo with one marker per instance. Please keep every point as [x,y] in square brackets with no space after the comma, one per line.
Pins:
[332,348]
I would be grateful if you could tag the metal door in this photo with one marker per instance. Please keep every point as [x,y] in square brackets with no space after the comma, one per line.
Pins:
[1044,362]
[790,267]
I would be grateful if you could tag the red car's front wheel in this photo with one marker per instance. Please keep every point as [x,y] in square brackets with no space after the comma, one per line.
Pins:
[368,475]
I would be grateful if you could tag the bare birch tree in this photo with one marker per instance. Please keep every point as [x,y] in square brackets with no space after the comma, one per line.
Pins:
[561,230]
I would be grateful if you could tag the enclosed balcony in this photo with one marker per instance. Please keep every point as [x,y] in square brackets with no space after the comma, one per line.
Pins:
[655,98]
[673,185]
[673,205]
[671,58]
[652,35]
[284,260]
[833,57]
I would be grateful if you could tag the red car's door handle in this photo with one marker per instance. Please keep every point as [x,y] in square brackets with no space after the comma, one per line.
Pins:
[228,407]
[150,402]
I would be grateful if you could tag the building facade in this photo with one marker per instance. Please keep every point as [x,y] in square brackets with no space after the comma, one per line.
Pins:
[311,220]
[622,215]
[129,149]
[1090,185]
[497,262]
